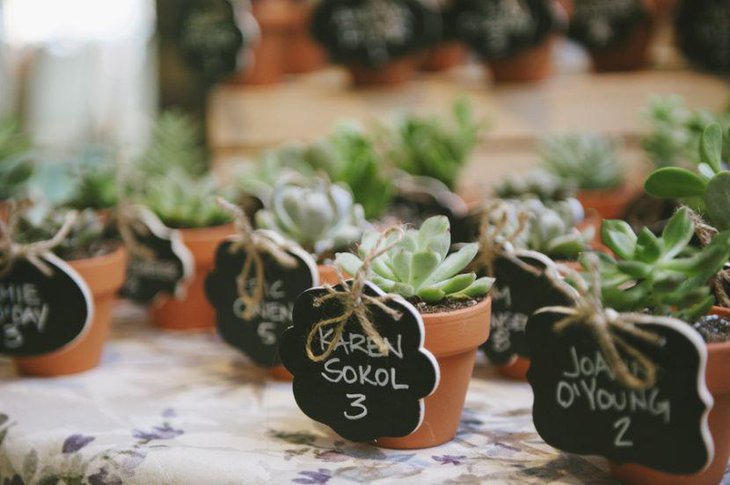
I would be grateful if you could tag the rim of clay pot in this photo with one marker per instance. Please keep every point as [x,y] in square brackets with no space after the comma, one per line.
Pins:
[101,269]
[447,332]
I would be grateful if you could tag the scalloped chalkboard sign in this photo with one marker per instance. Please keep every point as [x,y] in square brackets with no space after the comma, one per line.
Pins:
[209,37]
[600,25]
[521,288]
[580,408]
[40,314]
[257,337]
[357,391]
[499,29]
[167,272]
[703,33]
[374,32]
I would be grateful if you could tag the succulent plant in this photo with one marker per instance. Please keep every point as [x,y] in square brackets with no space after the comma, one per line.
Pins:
[93,179]
[539,183]
[15,165]
[420,265]
[663,274]
[587,160]
[430,147]
[177,142]
[320,216]
[707,190]
[552,230]
[183,201]
[675,131]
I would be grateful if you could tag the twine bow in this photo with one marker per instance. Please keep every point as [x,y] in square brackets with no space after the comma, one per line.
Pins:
[254,244]
[11,251]
[494,238]
[606,325]
[355,303]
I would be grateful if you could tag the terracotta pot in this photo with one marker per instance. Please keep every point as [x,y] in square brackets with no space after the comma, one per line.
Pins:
[4,209]
[630,55]
[104,275]
[717,378]
[392,74]
[193,312]
[515,370]
[327,276]
[609,203]
[531,65]
[445,57]
[453,338]
[271,53]
[304,53]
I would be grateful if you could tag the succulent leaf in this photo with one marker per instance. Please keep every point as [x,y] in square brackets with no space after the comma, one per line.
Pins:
[619,237]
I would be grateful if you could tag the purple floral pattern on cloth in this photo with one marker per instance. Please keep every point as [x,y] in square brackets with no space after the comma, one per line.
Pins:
[169,408]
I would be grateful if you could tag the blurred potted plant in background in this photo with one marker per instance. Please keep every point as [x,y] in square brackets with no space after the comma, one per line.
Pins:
[379,41]
[701,29]
[305,55]
[449,51]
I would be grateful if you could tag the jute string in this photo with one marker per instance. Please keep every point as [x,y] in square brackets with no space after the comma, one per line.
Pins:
[254,244]
[607,325]
[355,303]
[719,282]
[11,251]
[494,238]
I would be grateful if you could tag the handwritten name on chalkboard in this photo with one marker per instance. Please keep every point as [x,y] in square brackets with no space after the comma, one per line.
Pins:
[598,24]
[40,314]
[165,270]
[521,288]
[703,33]
[359,391]
[498,29]
[579,406]
[258,335]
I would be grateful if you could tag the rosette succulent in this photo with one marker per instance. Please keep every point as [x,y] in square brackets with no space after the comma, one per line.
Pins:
[419,265]
[320,216]
[587,160]
[536,183]
[552,228]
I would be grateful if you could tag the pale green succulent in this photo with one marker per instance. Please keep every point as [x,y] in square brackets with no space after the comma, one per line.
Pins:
[552,228]
[587,160]
[536,183]
[420,265]
[320,216]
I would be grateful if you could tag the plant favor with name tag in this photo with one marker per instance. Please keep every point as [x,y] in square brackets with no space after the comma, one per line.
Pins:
[358,358]
[257,278]
[159,263]
[44,304]
[627,386]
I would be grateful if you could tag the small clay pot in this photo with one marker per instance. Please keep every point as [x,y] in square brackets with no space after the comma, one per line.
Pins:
[105,276]
[445,57]
[609,203]
[304,53]
[534,64]
[193,312]
[453,338]
[515,370]
[630,55]
[327,276]
[394,73]
[717,378]
[271,52]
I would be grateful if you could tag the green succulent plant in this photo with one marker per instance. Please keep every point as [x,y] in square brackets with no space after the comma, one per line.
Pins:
[552,230]
[93,177]
[539,183]
[420,265]
[431,147]
[15,165]
[663,274]
[587,160]
[177,142]
[183,201]
[708,189]
[320,216]
[676,129]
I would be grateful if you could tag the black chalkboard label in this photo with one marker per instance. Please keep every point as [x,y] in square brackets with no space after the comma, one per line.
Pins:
[521,288]
[257,337]
[599,25]
[373,33]
[40,314]
[357,391]
[421,197]
[703,33]
[167,272]
[580,408]
[499,29]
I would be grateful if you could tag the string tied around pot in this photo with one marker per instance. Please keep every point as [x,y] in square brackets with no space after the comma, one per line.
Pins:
[11,251]
[495,235]
[606,325]
[355,303]
[130,222]
[254,243]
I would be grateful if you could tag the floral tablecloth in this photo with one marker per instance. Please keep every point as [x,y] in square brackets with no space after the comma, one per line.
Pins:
[183,408]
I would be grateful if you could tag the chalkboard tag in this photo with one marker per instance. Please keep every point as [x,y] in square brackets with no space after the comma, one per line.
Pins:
[419,198]
[580,408]
[258,336]
[164,267]
[358,391]
[40,313]
[521,288]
